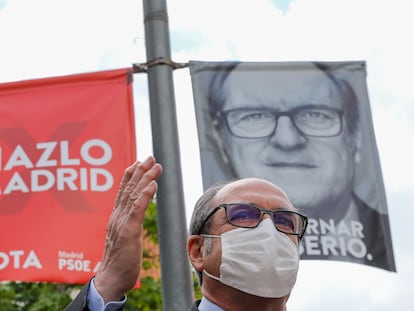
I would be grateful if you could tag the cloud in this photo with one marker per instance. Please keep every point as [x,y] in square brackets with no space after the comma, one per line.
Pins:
[58,37]
[3,3]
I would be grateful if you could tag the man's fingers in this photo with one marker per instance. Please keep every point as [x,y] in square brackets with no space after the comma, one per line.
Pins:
[129,171]
[136,178]
[145,196]
[150,175]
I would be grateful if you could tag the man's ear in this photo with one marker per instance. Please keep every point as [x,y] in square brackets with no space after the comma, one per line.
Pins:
[218,138]
[358,144]
[195,254]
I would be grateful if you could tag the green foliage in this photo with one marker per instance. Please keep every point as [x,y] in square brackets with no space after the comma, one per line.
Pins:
[196,287]
[25,296]
[22,296]
[7,297]
[150,222]
[147,297]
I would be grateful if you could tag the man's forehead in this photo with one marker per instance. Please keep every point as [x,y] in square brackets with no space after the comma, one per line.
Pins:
[295,87]
[244,71]
[253,190]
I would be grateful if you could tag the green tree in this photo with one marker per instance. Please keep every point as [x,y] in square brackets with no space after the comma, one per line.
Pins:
[35,296]
[22,296]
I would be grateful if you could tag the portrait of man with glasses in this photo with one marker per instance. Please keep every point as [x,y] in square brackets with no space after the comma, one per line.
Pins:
[298,125]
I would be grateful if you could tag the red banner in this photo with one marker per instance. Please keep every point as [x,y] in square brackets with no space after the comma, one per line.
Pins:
[64,144]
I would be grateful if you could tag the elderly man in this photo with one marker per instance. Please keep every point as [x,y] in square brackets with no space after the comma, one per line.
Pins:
[244,245]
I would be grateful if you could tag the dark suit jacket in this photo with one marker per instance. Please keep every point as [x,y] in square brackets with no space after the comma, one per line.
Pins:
[376,239]
[80,303]
[194,306]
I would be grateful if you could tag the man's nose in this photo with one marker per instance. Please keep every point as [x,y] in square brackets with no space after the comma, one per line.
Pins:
[286,135]
[266,215]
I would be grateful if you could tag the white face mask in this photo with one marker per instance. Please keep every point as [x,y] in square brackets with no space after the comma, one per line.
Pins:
[260,261]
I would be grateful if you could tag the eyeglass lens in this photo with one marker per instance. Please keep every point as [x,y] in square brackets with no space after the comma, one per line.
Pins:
[255,123]
[248,216]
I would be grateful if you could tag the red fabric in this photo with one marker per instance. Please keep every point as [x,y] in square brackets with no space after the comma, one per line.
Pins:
[64,145]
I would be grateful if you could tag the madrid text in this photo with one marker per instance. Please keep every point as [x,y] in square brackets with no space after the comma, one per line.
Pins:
[52,165]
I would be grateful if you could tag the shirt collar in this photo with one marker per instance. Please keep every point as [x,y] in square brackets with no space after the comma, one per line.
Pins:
[207,305]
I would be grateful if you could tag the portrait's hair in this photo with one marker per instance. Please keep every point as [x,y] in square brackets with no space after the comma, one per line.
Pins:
[349,100]
[217,97]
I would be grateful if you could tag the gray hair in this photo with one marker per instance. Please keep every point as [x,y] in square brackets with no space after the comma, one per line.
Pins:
[203,207]
[201,210]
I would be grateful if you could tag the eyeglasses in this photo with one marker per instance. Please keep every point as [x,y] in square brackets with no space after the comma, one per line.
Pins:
[318,121]
[246,215]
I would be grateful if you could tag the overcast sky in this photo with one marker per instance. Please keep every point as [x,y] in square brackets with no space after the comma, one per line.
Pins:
[57,37]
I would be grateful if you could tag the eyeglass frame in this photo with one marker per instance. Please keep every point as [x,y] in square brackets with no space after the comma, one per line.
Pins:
[222,115]
[262,212]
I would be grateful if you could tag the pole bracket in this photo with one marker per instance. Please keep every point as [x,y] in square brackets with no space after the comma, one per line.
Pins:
[143,67]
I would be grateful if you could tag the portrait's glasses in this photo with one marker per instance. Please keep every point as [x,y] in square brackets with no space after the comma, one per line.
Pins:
[318,121]
[247,215]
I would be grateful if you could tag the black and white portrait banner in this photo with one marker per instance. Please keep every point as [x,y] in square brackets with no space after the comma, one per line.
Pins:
[307,127]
